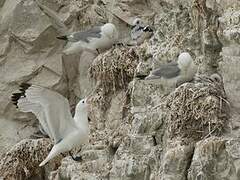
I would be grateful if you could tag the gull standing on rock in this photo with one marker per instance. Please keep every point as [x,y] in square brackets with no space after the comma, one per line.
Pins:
[182,71]
[95,40]
[53,113]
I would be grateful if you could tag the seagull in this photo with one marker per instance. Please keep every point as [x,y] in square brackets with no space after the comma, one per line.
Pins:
[147,33]
[137,28]
[97,39]
[182,71]
[53,112]
[140,32]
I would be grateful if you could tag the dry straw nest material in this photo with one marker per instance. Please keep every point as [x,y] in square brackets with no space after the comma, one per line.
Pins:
[22,161]
[197,111]
[113,71]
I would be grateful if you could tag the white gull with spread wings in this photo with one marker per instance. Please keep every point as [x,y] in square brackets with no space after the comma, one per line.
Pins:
[53,112]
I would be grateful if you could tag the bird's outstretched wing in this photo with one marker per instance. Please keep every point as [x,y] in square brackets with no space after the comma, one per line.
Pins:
[167,71]
[95,32]
[51,109]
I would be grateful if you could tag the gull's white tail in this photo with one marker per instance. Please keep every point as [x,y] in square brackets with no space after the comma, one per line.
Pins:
[54,152]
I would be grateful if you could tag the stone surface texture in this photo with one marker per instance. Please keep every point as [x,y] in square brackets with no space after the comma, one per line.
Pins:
[140,130]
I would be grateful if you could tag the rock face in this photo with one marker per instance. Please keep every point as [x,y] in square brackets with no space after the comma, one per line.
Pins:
[140,129]
[22,161]
[215,158]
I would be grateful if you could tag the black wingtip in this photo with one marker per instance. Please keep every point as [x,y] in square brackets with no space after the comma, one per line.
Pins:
[147,29]
[140,76]
[132,27]
[16,96]
[24,86]
[62,37]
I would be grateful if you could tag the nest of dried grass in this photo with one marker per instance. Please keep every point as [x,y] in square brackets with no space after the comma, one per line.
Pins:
[113,71]
[197,111]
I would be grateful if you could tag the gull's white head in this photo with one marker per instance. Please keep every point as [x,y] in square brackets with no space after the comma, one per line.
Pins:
[184,60]
[82,105]
[110,30]
[137,22]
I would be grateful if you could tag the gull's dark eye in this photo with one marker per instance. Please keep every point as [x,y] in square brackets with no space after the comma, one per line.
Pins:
[83,101]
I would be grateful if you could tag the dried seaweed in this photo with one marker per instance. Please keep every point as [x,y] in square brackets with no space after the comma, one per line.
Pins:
[197,111]
[113,71]
[22,161]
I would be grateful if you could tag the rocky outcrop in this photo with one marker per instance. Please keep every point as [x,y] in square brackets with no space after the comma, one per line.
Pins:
[22,161]
[229,36]
[140,129]
[215,158]
[31,53]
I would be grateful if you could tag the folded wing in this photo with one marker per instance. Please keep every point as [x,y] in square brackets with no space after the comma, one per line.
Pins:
[95,32]
[168,71]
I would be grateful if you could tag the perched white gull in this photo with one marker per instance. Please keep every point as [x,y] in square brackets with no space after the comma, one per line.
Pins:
[97,39]
[182,71]
[140,32]
[53,113]
[137,28]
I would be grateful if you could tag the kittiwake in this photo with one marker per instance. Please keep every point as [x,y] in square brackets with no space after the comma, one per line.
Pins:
[140,32]
[137,28]
[53,112]
[97,39]
[182,71]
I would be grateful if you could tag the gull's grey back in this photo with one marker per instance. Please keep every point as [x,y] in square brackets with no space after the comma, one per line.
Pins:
[95,32]
[168,71]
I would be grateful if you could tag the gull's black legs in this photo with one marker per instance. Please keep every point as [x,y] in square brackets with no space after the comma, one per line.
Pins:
[77,158]
[62,155]
[98,51]
[118,44]
[89,119]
